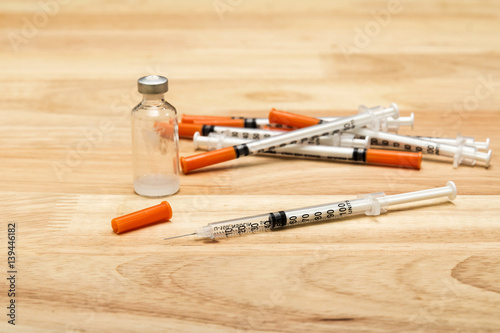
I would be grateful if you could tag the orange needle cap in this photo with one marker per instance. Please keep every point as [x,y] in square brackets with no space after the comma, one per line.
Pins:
[188,130]
[396,158]
[291,119]
[198,161]
[190,119]
[221,122]
[141,218]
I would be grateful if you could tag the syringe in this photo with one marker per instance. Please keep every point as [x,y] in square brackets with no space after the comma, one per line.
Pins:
[297,136]
[370,204]
[320,152]
[390,124]
[461,154]
[295,120]
[340,139]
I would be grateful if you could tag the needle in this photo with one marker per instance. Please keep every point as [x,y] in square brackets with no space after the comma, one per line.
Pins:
[194,233]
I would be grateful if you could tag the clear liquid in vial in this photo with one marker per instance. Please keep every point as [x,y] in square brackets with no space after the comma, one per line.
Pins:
[156,185]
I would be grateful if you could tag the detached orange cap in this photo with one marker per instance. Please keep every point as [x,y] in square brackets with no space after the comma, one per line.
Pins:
[395,158]
[292,119]
[141,218]
[188,130]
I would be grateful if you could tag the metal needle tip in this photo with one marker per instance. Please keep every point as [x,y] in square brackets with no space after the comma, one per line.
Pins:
[194,233]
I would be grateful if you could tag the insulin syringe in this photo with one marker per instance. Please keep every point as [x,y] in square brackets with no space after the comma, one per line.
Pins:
[370,204]
[297,136]
[319,152]
[340,139]
[461,153]
[389,124]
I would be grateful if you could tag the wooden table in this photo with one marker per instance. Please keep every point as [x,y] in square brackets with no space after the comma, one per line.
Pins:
[69,71]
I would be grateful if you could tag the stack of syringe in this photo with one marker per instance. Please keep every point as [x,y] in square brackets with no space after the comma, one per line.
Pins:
[361,138]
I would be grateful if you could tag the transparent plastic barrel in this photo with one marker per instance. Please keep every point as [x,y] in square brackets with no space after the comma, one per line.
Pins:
[280,219]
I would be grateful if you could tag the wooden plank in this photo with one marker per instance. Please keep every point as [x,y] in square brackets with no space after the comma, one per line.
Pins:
[66,92]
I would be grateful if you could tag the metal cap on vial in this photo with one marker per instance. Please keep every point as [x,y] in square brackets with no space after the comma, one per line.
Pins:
[152,84]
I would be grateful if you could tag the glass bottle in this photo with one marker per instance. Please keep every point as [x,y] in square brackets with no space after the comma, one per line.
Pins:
[155,140]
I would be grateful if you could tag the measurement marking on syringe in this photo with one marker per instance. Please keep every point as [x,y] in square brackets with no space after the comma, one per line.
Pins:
[430,149]
[343,208]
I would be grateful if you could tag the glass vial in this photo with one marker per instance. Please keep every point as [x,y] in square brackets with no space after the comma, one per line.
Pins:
[155,140]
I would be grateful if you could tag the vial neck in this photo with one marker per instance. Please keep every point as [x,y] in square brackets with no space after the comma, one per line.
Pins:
[153,99]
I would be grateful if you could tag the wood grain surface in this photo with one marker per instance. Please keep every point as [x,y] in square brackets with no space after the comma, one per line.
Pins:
[68,82]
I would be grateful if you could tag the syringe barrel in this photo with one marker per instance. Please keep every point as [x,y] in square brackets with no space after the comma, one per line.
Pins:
[242,133]
[385,140]
[280,219]
[391,123]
